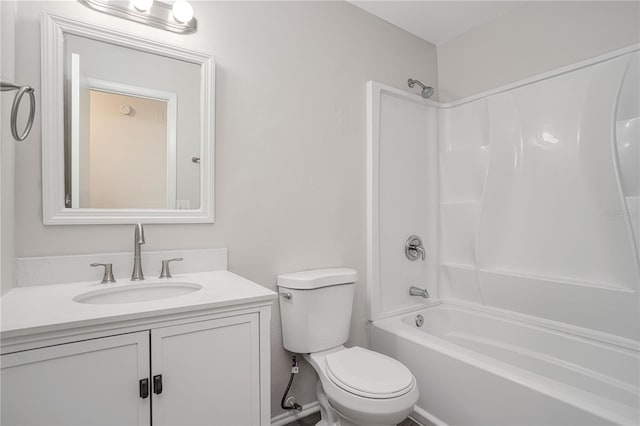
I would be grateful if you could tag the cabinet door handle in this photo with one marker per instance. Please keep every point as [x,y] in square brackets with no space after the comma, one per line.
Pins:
[157,384]
[144,388]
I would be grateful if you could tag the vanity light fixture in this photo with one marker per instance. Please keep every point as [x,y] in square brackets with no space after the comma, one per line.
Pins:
[176,16]
[182,11]
[142,5]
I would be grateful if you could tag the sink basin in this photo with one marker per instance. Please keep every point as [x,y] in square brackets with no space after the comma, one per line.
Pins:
[133,293]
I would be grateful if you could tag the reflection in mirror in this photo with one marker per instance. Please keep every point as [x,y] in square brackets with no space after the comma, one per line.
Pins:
[127,128]
[130,132]
[133,122]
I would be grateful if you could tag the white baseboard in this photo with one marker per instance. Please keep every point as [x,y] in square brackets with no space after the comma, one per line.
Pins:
[425,418]
[291,415]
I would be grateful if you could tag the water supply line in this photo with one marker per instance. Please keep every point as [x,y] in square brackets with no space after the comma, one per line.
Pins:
[292,404]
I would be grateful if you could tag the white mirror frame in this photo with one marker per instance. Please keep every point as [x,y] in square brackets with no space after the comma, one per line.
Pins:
[52,74]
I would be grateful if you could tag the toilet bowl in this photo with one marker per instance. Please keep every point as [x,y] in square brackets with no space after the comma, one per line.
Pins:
[360,387]
[355,386]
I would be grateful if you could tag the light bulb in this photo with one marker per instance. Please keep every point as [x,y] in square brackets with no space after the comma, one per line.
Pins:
[182,11]
[142,5]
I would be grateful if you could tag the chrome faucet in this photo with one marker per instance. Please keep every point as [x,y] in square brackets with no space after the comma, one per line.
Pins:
[138,240]
[416,291]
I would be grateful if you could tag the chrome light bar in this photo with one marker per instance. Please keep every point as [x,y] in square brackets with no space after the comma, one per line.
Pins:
[159,15]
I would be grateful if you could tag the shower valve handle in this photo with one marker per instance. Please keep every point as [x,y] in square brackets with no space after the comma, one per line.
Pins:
[414,249]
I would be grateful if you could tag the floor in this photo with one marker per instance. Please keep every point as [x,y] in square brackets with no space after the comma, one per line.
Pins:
[314,418]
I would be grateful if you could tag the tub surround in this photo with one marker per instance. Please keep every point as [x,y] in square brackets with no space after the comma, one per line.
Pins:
[535,199]
[533,213]
[402,198]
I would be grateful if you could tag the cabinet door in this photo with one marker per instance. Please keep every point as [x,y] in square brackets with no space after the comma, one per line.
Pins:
[210,372]
[93,382]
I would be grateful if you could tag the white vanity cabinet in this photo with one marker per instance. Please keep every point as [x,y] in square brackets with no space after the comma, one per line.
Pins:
[209,372]
[199,370]
[91,382]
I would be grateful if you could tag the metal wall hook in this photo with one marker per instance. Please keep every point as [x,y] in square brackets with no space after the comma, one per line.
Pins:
[5,86]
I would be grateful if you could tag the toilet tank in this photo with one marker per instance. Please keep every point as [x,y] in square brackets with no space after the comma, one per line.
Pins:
[317,316]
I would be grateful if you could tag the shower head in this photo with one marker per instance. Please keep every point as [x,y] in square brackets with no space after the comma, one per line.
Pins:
[427,91]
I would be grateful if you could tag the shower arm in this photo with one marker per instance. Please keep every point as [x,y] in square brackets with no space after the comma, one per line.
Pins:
[427,91]
[411,82]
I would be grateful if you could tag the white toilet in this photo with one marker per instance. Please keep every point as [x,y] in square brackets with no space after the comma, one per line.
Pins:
[357,386]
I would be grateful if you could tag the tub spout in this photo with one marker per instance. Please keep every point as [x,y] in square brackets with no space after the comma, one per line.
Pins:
[416,291]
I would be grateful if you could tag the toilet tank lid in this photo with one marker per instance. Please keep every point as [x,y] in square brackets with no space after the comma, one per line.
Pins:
[316,278]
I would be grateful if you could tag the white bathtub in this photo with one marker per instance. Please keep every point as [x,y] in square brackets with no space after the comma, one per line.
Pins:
[478,367]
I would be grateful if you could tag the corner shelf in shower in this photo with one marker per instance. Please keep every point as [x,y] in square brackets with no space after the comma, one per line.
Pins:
[555,280]
[454,265]
[460,202]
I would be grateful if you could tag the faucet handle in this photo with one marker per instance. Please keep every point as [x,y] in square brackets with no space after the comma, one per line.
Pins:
[108,272]
[166,273]
[413,248]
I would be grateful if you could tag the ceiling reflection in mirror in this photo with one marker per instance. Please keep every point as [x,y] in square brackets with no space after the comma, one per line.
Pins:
[132,128]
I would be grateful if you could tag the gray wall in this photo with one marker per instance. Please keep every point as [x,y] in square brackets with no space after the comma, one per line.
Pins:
[532,39]
[290,143]
[8,10]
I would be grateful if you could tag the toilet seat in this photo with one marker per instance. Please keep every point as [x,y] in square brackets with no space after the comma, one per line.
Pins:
[368,374]
[344,393]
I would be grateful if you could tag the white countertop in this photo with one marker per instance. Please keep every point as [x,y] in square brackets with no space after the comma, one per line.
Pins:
[39,309]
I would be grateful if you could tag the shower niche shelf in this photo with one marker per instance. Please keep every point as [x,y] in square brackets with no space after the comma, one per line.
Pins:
[555,280]
[461,203]
[465,266]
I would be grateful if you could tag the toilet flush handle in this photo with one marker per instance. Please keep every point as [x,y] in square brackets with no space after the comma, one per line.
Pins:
[287,296]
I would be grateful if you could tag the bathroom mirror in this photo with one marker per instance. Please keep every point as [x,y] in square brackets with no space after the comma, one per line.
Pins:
[127,130]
